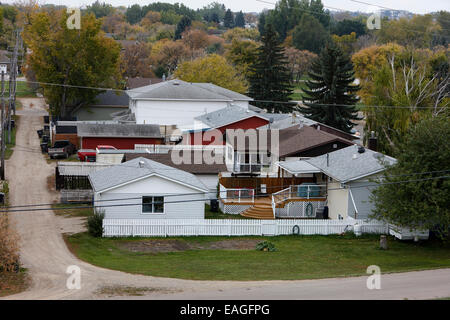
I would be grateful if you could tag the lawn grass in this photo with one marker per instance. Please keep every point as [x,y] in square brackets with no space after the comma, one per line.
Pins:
[71,211]
[9,147]
[220,215]
[297,257]
[22,90]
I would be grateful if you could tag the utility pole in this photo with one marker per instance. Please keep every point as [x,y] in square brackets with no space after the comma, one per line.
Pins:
[13,83]
[2,169]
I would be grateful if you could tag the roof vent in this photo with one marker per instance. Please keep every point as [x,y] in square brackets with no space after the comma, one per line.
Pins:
[361,150]
[141,164]
[176,83]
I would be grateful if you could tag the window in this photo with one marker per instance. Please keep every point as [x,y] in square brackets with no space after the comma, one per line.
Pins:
[152,204]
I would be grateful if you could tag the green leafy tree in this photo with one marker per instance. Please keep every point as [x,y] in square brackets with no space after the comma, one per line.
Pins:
[184,23]
[100,9]
[421,204]
[70,57]
[134,14]
[270,79]
[348,26]
[310,34]
[228,20]
[240,20]
[330,95]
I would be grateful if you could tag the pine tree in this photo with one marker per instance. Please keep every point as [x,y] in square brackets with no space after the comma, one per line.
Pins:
[330,95]
[270,77]
[240,20]
[184,23]
[228,20]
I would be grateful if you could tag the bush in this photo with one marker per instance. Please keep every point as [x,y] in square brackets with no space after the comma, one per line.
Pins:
[9,250]
[266,246]
[95,224]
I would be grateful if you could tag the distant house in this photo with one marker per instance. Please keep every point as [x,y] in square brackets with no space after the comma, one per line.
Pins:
[290,144]
[146,189]
[230,117]
[208,174]
[177,102]
[106,105]
[348,172]
[138,82]
[121,136]
[5,62]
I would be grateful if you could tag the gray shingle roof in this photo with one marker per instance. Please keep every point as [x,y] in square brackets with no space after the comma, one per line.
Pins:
[227,115]
[181,90]
[129,171]
[119,130]
[301,166]
[347,164]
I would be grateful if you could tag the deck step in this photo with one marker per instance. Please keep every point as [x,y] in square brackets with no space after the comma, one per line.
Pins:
[259,211]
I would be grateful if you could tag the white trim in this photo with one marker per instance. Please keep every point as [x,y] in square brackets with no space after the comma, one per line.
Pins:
[153,213]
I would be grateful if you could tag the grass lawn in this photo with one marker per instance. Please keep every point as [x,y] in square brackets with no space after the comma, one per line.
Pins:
[298,257]
[220,215]
[11,282]
[9,146]
[72,212]
[22,89]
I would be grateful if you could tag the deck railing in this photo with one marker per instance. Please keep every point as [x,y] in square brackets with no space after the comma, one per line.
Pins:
[238,195]
[304,191]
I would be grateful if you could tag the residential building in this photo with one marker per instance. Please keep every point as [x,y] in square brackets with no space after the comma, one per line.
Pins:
[146,189]
[105,107]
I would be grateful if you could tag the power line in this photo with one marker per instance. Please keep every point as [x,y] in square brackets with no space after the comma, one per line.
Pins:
[261,101]
[203,200]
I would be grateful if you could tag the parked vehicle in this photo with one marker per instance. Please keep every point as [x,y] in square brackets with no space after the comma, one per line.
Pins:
[61,148]
[90,155]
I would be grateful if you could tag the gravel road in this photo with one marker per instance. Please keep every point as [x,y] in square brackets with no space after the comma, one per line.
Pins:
[45,255]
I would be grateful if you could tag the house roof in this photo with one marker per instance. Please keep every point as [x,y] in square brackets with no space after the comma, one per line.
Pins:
[227,115]
[297,167]
[111,98]
[4,56]
[138,82]
[296,139]
[119,130]
[181,90]
[347,164]
[132,170]
[289,121]
[191,167]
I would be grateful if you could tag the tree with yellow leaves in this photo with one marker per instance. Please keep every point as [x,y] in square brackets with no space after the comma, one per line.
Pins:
[213,69]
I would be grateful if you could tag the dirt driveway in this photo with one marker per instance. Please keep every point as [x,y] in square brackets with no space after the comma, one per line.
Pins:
[45,255]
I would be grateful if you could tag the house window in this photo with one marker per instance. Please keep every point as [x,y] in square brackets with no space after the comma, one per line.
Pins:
[152,205]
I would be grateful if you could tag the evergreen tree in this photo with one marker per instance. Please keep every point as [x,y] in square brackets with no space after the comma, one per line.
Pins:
[228,20]
[184,23]
[262,23]
[240,20]
[330,94]
[270,77]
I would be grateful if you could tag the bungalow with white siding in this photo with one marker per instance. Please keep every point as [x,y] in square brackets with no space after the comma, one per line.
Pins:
[347,175]
[146,189]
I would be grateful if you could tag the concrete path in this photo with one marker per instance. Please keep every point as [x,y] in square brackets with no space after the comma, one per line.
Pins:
[45,255]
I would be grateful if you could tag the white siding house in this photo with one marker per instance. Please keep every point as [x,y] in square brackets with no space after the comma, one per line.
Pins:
[348,175]
[145,189]
[177,102]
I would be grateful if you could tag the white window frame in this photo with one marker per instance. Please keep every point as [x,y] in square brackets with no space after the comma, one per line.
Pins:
[153,206]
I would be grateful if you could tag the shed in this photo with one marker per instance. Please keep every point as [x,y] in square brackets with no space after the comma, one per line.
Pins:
[146,189]
[120,136]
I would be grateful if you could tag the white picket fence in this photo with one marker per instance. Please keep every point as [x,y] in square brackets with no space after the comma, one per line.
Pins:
[237,227]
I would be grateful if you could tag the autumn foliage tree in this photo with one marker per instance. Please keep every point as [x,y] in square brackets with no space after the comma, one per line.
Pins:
[213,69]
[70,57]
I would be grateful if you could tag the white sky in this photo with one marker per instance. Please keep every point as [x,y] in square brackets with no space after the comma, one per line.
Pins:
[415,6]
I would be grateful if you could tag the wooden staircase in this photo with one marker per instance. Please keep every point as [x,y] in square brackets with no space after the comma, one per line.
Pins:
[261,211]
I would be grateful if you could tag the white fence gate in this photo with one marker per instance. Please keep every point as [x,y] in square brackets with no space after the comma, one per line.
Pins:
[237,227]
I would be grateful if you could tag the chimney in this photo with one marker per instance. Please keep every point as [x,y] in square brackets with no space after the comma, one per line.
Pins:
[141,164]
[373,142]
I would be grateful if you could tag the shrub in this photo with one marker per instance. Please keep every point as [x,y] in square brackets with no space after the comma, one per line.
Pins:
[9,250]
[95,224]
[266,246]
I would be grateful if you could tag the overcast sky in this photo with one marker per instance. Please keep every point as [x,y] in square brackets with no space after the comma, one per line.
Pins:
[416,6]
